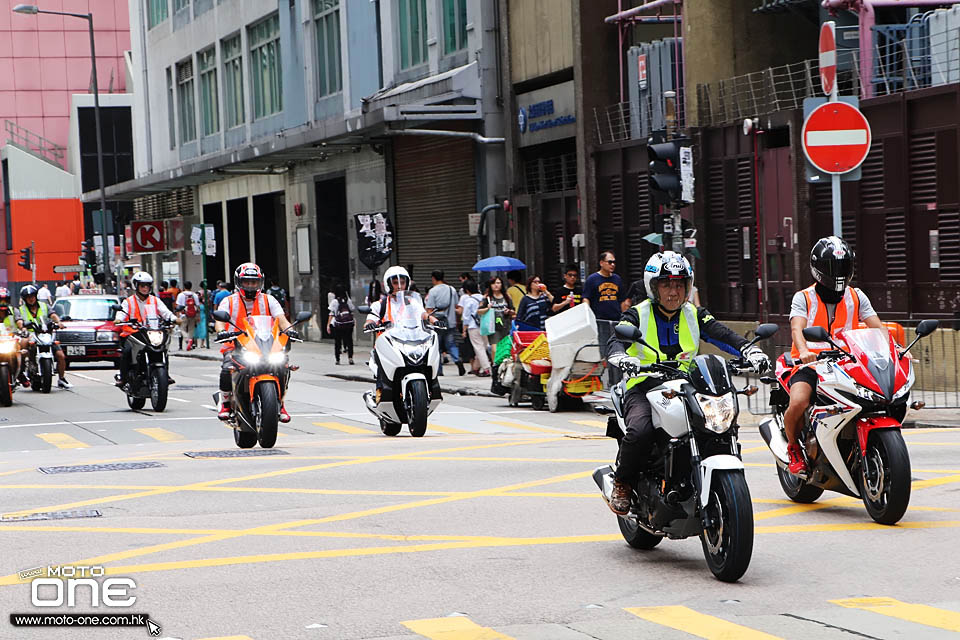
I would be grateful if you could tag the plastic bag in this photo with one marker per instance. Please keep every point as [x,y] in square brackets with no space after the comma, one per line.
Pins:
[488,323]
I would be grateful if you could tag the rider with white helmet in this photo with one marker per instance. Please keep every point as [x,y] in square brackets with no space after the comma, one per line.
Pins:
[674,327]
[142,306]
[394,279]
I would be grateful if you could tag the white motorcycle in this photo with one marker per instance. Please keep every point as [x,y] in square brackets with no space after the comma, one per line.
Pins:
[693,483]
[405,361]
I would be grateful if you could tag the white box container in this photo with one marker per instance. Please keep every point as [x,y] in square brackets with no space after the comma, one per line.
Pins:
[570,330]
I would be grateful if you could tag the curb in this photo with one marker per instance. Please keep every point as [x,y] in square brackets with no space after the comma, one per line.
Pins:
[460,391]
[930,425]
[195,356]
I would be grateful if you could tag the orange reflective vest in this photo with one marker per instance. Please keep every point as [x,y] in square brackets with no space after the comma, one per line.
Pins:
[237,309]
[139,313]
[846,316]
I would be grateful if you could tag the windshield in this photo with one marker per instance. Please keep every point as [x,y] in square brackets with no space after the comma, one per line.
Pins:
[874,343]
[262,326]
[85,308]
[407,312]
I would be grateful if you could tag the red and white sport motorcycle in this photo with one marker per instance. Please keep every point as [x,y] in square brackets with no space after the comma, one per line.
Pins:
[851,432]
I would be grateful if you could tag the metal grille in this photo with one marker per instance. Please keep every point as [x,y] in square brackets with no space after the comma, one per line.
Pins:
[871,181]
[635,254]
[644,213]
[36,144]
[76,336]
[86,468]
[732,246]
[848,227]
[613,123]
[949,226]
[923,169]
[615,201]
[53,515]
[895,229]
[170,204]
[715,184]
[236,453]
[552,173]
[745,188]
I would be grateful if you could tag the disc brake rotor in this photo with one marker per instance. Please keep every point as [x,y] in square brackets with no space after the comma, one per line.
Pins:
[873,476]
[715,545]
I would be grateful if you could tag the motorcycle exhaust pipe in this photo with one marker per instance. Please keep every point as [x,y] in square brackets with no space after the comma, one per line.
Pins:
[603,476]
[369,401]
[773,436]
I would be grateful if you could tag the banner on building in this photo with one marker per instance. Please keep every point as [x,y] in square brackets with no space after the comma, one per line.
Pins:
[374,238]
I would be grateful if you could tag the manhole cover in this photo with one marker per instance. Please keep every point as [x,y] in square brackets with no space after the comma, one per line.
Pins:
[116,466]
[53,515]
[236,453]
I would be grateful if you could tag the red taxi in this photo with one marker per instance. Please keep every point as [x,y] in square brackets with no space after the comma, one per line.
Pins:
[88,332]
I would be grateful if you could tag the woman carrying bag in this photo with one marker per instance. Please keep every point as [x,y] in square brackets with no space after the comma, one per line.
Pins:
[496,312]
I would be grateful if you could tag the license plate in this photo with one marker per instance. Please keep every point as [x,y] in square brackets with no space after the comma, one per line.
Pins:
[76,350]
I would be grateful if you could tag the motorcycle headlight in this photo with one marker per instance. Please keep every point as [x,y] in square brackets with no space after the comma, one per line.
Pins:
[45,338]
[155,338]
[107,336]
[251,357]
[868,394]
[905,389]
[8,346]
[277,357]
[718,411]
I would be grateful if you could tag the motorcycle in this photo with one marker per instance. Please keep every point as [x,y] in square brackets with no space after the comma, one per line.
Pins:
[261,377]
[406,363]
[851,431]
[9,349]
[693,483]
[40,359]
[149,375]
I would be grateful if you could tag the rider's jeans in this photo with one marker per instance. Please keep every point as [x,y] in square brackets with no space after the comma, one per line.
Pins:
[636,443]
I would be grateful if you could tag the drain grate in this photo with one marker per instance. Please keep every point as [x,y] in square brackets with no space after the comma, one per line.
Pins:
[236,453]
[52,515]
[116,466]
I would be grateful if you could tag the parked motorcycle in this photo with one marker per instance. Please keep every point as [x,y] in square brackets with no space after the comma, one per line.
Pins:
[261,377]
[9,349]
[406,363]
[149,375]
[851,432]
[39,357]
[693,483]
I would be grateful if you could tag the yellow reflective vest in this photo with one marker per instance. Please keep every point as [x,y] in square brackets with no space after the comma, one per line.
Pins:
[689,338]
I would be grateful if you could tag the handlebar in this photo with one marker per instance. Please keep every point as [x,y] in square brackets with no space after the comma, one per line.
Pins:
[379,326]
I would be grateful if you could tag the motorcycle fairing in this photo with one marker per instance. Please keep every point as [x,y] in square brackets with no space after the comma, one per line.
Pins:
[866,425]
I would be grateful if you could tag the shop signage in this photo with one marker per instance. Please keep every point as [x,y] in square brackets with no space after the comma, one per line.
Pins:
[547,114]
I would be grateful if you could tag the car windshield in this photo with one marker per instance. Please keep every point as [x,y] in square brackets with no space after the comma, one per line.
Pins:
[85,308]
[874,343]
[407,312]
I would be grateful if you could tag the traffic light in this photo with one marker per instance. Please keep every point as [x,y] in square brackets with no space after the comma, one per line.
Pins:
[25,261]
[87,254]
[664,173]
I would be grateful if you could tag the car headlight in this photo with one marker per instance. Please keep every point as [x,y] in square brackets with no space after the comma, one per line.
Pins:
[277,357]
[8,346]
[718,411]
[251,357]
[107,336]
[155,338]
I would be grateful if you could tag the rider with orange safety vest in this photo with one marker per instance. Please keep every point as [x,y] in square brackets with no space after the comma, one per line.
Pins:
[248,300]
[394,279]
[141,307]
[830,303]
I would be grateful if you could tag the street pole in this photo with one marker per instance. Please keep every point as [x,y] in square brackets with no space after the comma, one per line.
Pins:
[33,260]
[103,191]
[676,219]
[203,273]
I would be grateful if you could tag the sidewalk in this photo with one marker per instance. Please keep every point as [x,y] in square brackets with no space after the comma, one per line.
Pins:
[317,358]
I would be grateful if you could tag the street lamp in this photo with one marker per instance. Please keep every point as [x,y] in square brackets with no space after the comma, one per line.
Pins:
[31,9]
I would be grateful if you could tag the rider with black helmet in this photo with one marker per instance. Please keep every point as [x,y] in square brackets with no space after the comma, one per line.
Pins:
[34,313]
[10,322]
[830,303]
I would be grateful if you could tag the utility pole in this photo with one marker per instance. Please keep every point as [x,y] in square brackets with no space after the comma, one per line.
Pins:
[33,260]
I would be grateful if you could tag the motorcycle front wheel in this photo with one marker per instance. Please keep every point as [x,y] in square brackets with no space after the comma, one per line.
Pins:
[728,542]
[796,489]
[885,481]
[636,536]
[6,387]
[416,404]
[46,375]
[266,413]
[159,383]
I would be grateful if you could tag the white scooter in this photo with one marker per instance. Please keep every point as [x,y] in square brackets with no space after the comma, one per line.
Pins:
[405,361]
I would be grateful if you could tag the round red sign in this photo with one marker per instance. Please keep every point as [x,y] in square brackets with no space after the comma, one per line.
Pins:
[828,57]
[836,137]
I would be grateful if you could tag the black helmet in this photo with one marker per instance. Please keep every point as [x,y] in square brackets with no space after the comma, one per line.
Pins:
[831,263]
[27,290]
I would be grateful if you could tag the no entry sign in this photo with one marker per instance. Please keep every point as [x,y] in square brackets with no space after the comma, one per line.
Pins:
[836,137]
[828,57]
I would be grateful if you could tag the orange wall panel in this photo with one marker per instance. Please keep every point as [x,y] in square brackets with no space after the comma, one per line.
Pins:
[56,226]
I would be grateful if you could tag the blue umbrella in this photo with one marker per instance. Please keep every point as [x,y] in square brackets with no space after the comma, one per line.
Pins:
[499,263]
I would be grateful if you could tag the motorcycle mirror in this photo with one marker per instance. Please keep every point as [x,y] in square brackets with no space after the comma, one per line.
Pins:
[926,327]
[816,334]
[766,330]
[627,332]
[221,316]
[116,307]
[65,318]
[364,308]
[302,317]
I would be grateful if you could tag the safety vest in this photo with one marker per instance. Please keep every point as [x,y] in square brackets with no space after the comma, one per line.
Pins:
[9,322]
[140,312]
[38,319]
[846,316]
[689,328]
[234,302]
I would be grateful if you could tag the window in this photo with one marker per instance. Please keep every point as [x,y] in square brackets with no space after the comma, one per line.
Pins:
[209,101]
[156,12]
[265,67]
[180,5]
[186,102]
[454,26]
[412,20]
[232,54]
[327,24]
[171,120]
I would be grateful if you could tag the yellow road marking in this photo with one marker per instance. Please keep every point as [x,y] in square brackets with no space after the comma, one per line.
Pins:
[526,427]
[228,638]
[160,434]
[601,424]
[346,428]
[62,441]
[796,508]
[755,449]
[10,473]
[935,482]
[698,624]
[923,431]
[856,526]
[919,613]
[455,628]
[442,429]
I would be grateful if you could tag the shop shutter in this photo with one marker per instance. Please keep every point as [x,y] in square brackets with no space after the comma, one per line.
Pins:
[895,241]
[435,186]
[949,226]
[715,193]
[923,168]
[871,180]
[745,188]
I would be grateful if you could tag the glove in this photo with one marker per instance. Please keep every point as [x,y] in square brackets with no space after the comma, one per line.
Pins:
[757,359]
[224,335]
[630,366]
[293,333]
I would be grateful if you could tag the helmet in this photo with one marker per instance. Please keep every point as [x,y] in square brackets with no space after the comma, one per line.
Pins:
[139,278]
[669,265]
[394,272]
[249,280]
[4,294]
[27,290]
[831,263]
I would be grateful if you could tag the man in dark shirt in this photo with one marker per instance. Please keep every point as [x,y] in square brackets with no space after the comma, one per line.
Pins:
[570,293]
[606,293]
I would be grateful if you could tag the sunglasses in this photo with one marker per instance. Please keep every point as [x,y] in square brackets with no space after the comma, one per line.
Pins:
[610,261]
[570,275]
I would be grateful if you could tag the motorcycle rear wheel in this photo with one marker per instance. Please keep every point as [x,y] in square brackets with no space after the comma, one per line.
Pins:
[728,546]
[159,383]
[796,489]
[885,484]
[46,375]
[136,403]
[266,413]
[6,387]
[416,404]
[636,536]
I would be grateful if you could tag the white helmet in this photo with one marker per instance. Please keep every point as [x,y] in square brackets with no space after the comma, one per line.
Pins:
[141,277]
[394,272]
[669,265]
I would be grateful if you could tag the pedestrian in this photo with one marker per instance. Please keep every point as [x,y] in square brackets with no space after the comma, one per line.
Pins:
[463,277]
[75,286]
[534,306]
[341,322]
[44,295]
[200,333]
[280,295]
[188,304]
[174,288]
[604,289]
[515,289]
[497,302]
[63,290]
[469,304]
[167,298]
[374,291]
[223,290]
[441,303]
[570,293]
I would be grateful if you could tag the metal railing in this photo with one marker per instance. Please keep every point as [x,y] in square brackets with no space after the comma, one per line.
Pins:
[34,143]
[635,121]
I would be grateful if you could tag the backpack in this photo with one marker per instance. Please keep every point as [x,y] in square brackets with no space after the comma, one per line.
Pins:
[190,306]
[279,294]
[166,297]
[344,315]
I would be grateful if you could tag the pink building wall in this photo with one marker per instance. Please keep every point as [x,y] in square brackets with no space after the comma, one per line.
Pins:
[44,59]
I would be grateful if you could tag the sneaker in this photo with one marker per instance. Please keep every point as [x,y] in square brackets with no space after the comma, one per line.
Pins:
[226,411]
[118,380]
[797,464]
[63,384]
[620,498]
[351,360]
[337,362]
[284,416]
[460,368]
